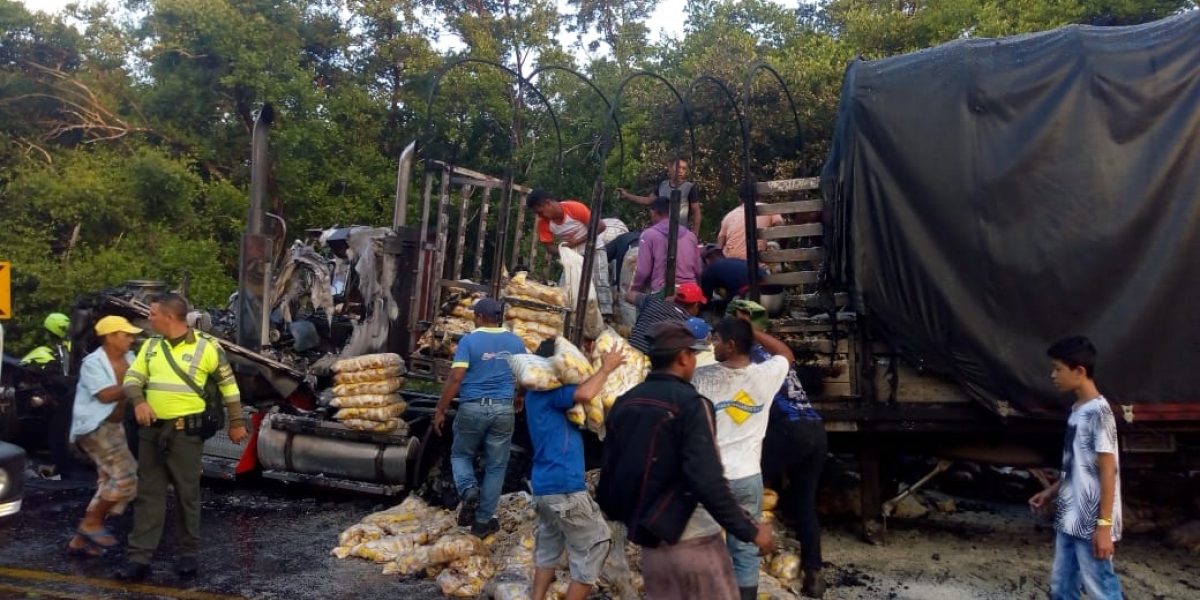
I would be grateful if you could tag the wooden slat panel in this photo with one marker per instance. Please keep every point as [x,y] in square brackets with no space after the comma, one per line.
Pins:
[787,208]
[793,278]
[792,255]
[791,231]
[783,186]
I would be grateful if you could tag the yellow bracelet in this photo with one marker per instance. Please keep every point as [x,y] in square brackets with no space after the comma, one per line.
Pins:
[1104,522]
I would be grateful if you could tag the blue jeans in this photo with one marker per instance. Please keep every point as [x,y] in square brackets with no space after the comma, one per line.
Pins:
[1074,564]
[490,428]
[749,494]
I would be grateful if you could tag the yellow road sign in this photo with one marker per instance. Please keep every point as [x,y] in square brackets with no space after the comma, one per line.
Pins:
[5,290]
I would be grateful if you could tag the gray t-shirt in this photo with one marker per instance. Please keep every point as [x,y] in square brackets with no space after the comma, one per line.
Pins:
[687,195]
[1091,431]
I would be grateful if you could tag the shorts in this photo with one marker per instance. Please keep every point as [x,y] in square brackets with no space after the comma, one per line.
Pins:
[572,523]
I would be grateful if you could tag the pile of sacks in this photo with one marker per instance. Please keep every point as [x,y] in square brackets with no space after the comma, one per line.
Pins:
[456,320]
[569,366]
[414,540]
[367,392]
[531,325]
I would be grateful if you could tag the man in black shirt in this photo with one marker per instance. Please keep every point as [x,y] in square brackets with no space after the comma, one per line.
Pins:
[661,475]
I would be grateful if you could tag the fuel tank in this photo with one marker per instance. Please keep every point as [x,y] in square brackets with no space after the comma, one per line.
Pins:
[308,446]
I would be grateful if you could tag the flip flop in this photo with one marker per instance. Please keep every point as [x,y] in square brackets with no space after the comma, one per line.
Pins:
[88,549]
[94,537]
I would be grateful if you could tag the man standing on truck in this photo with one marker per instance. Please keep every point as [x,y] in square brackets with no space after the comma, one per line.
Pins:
[661,475]
[480,377]
[689,194]
[170,447]
[651,272]
[1087,496]
[741,392]
[568,518]
[567,221]
[653,309]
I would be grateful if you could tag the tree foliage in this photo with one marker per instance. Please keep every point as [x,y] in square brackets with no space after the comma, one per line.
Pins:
[125,127]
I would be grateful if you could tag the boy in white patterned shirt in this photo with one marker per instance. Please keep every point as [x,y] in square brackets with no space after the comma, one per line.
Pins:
[1087,516]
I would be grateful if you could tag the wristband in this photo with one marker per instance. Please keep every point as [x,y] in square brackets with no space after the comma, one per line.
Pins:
[1104,522]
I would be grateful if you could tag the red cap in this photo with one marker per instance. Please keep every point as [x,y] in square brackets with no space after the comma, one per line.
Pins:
[689,293]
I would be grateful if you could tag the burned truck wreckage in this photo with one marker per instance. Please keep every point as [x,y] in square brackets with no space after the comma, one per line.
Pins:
[876,316]
[322,305]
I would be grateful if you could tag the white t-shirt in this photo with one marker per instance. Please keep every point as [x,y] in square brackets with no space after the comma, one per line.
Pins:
[1091,430]
[742,400]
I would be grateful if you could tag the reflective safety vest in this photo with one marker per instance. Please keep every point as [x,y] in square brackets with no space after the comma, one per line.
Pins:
[199,356]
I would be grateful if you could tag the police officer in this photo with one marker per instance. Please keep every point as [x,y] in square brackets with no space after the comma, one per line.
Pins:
[169,443]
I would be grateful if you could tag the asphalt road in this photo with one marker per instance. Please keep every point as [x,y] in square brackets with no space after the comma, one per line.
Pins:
[259,540]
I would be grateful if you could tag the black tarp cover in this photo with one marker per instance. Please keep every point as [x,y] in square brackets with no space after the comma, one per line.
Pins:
[991,196]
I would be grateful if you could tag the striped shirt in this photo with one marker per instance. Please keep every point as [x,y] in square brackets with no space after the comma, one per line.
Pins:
[651,310]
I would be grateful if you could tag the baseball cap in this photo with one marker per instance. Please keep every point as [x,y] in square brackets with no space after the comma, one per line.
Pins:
[488,309]
[709,250]
[699,327]
[690,293]
[113,324]
[673,335]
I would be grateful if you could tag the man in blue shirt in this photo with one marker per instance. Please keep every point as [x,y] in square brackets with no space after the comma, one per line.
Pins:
[568,519]
[481,378]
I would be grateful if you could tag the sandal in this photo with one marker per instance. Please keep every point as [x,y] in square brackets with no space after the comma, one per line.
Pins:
[94,537]
[88,549]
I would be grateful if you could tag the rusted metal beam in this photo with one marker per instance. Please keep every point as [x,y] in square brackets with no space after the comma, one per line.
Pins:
[481,233]
[422,306]
[461,246]
[480,177]
[518,235]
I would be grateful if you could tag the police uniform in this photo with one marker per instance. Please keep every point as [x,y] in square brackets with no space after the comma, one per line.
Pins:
[167,452]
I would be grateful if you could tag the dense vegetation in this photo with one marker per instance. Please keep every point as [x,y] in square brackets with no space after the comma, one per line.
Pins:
[125,128]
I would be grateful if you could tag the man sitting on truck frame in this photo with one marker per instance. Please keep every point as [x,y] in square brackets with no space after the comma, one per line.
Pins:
[487,405]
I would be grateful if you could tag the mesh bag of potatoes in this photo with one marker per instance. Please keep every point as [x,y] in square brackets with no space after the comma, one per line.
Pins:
[551,319]
[466,577]
[366,392]
[534,372]
[631,372]
[533,334]
[521,288]
[370,362]
[367,388]
[570,365]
